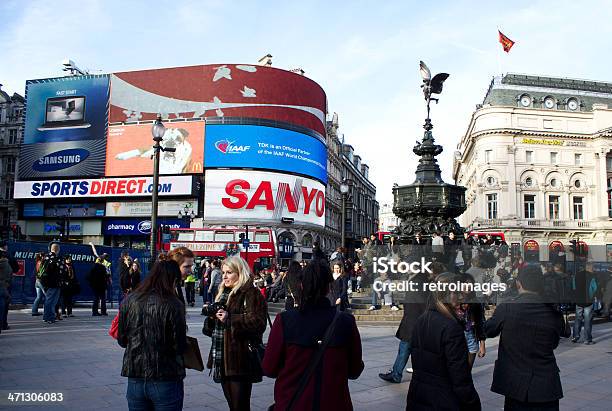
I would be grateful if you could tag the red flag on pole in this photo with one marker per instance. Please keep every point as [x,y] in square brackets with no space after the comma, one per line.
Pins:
[505,42]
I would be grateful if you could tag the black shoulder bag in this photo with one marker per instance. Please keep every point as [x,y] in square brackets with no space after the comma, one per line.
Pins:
[314,363]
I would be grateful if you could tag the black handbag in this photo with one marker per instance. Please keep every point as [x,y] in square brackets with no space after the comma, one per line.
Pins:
[257,350]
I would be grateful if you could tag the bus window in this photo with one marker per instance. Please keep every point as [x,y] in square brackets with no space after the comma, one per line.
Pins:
[204,235]
[262,237]
[224,236]
[182,235]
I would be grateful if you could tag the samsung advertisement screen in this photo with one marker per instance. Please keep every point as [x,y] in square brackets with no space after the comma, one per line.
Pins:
[65,110]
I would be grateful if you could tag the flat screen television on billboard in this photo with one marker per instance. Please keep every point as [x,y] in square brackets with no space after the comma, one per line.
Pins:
[65,112]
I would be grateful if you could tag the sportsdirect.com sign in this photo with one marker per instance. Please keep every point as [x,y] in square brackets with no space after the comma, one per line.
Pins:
[110,187]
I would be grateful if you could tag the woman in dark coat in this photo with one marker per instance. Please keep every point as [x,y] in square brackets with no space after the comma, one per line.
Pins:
[293,283]
[441,379]
[152,330]
[338,293]
[293,341]
[240,325]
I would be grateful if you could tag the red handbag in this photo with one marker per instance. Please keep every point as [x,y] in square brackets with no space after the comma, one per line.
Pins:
[114,328]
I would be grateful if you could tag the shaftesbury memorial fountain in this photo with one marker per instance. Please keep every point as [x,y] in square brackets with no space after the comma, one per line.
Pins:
[429,204]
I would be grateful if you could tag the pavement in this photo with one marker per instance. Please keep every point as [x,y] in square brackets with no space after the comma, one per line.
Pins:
[77,357]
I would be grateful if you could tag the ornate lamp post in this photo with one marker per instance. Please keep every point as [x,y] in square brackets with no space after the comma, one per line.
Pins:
[344,189]
[158,130]
[187,213]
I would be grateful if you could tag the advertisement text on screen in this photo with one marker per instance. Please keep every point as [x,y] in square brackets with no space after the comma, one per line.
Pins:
[60,160]
[314,199]
[228,147]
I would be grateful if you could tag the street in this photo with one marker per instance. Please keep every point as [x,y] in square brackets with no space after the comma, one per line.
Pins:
[77,357]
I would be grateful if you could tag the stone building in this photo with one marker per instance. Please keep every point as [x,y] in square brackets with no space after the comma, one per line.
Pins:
[537,163]
[11,136]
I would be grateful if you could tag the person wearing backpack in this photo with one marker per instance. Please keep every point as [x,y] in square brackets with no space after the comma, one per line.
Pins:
[52,270]
[313,350]
[40,292]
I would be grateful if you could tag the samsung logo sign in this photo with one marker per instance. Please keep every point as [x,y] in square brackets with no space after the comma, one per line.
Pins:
[60,160]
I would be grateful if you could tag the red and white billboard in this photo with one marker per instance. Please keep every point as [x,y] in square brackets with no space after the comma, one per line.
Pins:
[219,90]
[236,196]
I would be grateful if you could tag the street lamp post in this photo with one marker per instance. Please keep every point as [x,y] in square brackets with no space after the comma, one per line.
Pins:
[344,189]
[158,130]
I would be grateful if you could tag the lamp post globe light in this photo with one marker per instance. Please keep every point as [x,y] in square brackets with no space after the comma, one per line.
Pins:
[158,130]
[187,213]
[344,189]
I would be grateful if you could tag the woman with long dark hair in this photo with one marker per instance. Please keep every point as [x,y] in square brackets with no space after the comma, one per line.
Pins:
[293,284]
[297,335]
[152,330]
[338,292]
[236,329]
[441,379]
[471,315]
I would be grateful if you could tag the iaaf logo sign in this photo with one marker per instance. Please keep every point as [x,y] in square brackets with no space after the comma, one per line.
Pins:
[238,197]
[228,147]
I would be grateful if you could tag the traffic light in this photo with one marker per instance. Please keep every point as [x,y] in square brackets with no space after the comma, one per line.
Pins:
[61,226]
[574,247]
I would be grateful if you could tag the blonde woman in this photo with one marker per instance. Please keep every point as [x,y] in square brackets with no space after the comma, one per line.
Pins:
[238,322]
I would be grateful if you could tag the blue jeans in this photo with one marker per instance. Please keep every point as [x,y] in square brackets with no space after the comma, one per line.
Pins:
[403,354]
[145,395]
[584,315]
[51,298]
[40,293]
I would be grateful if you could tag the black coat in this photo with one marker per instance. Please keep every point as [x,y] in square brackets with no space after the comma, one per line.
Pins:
[153,332]
[97,278]
[339,289]
[526,368]
[441,379]
[415,304]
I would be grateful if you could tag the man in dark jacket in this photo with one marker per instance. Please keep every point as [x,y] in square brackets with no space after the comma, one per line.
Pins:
[14,267]
[54,270]
[98,279]
[586,289]
[526,371]
[415,304]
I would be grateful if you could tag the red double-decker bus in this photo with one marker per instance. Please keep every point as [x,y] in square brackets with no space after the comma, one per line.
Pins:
[219,242]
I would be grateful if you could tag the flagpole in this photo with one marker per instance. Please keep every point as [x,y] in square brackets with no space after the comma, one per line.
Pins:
[499,64]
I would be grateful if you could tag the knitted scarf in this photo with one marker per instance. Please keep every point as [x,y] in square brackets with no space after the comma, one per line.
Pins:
[217,342]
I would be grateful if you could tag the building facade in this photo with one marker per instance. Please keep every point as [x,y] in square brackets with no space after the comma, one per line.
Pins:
[361,205]
[11,136]
[537,160]
[388,221]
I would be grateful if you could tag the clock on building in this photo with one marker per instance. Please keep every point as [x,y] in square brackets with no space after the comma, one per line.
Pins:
[549,102]
[525,100]
[572,104]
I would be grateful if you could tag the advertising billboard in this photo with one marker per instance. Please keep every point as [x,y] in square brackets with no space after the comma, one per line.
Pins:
[218,90]
[65,127]
[137,226]
[109,187]
[260,147]
[144,208]
[129,149]
[245,196]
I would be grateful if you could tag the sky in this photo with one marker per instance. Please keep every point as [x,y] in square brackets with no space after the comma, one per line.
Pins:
[364,54]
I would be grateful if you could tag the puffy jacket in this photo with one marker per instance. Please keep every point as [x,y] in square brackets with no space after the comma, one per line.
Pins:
[153,332]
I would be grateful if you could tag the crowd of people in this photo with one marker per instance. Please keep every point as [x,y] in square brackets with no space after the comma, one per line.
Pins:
[314,346]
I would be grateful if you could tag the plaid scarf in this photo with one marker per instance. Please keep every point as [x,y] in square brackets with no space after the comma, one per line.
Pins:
[217,342]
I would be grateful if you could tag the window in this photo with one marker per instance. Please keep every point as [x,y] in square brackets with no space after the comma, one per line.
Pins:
[553,182]
[530,206]
[609,163]
[578,159]
[8,192]
[554,157]
[204,235]
[12,139]
[610,204]
[184,235]
[578,208]
[529,181]
[262,237]
[491,181]
[577,184]
[529,156]
[553,207]
[9,164]
[224,236]
[491,206]
[488,155]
